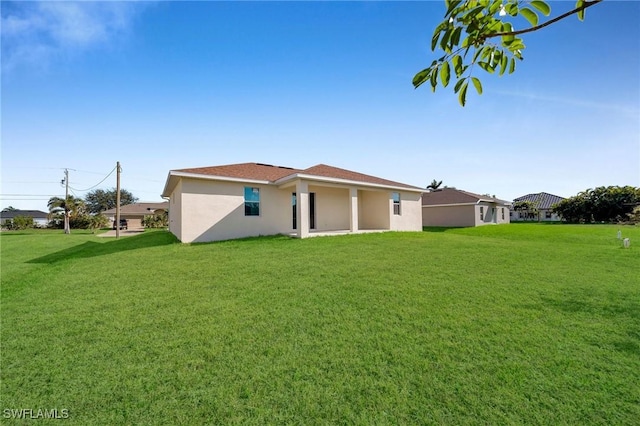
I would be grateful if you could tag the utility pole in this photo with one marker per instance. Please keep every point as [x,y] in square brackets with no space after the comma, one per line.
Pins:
[118,199]
[67,229]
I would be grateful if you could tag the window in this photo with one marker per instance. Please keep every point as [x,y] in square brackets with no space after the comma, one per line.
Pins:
[547,214]
[396,202]
[481,213]
[502,213]
[294,208]
[251,201]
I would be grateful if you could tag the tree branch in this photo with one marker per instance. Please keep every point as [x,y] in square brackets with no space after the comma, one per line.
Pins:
[554,20]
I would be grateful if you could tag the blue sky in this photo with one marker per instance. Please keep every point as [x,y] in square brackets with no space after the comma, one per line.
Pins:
[169,85]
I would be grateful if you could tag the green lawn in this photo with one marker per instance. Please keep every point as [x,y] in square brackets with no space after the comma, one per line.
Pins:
[510,324]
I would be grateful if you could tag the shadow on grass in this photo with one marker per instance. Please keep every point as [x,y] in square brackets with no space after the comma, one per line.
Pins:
[94,249]
[260,238]
[439,228]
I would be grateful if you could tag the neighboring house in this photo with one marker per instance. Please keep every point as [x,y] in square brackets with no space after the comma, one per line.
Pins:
[543,202]
[453,207]
[40,218]
[134,213]
[251,199]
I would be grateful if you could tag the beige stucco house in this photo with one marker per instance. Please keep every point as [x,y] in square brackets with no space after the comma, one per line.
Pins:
[134,213]
[453,207]
[251,199]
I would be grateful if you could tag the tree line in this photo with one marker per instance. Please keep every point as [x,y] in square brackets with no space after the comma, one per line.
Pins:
[601,204]
[84,213]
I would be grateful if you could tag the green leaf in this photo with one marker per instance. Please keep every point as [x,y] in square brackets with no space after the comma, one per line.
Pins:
[462,95]
[511,8]
[580,3]
[444,74]
[434,79]
[503,64]
[457,65]
[445,40]
[421,77]
[512,65]
[477,84]
[542,6]
[434,40]
[529,15]
[455,37]
[452,5]
[486,66]
[458,85]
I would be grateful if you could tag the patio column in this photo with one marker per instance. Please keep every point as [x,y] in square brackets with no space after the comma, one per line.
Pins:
[353,209]
[302,210]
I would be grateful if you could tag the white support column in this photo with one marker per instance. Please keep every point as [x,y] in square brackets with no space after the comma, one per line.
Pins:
[353,209]
[302,210]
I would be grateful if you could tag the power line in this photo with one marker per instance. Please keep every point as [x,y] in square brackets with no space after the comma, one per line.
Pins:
[105,178]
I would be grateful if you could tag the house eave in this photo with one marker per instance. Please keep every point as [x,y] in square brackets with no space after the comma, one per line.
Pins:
[301,176]
[171,183]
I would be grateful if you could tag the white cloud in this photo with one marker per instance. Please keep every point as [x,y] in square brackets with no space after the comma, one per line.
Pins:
[631,110]
[34,33]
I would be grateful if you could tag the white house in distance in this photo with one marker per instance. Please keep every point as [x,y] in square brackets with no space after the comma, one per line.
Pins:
[543,204]
[251,199]
[456,208]
[40,218]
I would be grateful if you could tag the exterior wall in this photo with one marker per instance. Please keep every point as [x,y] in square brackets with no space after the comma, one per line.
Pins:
[456,216]
[373,209]
[175,211]
[206,210]
[214,211]
[491,216]
[332,208]
[410,217]
[541,217]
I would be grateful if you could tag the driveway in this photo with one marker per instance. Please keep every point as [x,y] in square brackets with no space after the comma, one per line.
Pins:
[123,232]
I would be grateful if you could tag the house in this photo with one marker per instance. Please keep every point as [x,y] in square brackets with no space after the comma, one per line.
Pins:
[134,213]
[542,202]
[40,218]
[454,207]
[251,199]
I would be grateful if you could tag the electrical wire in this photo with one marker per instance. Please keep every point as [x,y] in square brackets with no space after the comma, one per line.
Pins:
[105,178]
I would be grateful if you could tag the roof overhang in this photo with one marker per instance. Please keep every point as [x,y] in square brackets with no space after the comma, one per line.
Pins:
[497,202]
[287,180]
[174,177]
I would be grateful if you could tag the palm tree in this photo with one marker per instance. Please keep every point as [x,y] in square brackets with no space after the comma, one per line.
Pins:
[71,207]
[434,185]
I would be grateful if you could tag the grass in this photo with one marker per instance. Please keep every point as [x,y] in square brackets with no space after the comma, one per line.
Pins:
[521,323]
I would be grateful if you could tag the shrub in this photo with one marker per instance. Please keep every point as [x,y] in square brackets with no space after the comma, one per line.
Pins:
[20,222]
[160,220]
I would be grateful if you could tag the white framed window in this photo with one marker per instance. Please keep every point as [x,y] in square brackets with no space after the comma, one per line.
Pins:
[481,213]
[251,201]
[396,202]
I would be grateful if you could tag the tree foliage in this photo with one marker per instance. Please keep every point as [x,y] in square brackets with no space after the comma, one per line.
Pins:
[528,209]
[467,34]
[19,223]
[434,185]
[100,200]
[602,204]
[74,207]
[159,220]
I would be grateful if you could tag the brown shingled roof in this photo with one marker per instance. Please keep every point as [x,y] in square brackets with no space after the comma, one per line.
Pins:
[267,172]
[455,196]
[254,171]
[334,172]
